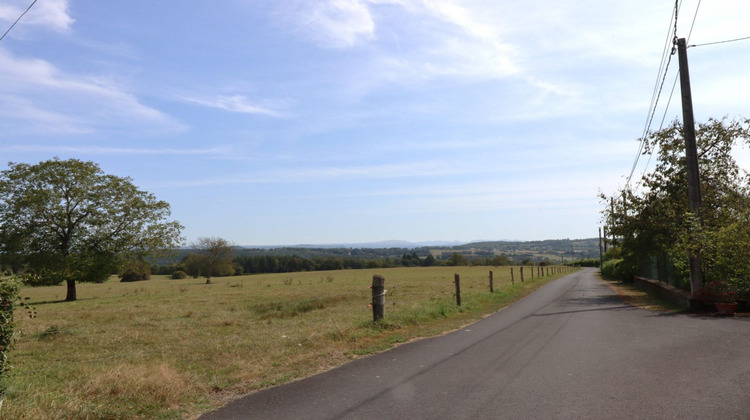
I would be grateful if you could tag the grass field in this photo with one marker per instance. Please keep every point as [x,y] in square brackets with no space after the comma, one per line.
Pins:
[175,348]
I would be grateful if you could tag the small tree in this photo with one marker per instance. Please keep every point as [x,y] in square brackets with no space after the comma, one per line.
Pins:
[457,259]
[213,256]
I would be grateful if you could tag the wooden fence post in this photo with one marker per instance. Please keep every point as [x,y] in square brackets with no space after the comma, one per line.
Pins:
[512,279]
[521,274]
[492,287]
[458,289]
[378,297]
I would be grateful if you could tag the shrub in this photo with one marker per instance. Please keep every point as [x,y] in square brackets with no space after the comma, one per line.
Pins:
[9,301]
[613,270]
[134,275]
[179,274]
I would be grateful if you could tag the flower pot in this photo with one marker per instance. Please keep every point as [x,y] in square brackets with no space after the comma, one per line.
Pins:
[725,308]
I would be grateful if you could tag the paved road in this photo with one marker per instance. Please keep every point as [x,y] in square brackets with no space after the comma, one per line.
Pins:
[571,350]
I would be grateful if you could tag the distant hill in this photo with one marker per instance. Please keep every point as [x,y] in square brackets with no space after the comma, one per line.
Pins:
[555,250]
[364,245]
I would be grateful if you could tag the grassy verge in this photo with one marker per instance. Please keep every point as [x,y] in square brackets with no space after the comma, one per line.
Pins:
[175,348]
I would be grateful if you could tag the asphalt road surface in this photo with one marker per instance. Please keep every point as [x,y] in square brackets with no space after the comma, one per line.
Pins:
[571,350]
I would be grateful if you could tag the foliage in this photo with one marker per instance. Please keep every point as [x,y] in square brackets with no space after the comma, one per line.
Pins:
[135,270]
[613,270]
[179,274]
[586,262]
[9,301]
[457,259]
[66,220]
[612,253]
[717,292]
[212,257]
[656,222]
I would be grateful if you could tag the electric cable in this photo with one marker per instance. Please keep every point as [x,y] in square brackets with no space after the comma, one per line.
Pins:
[661,76]
[671,94]
[719,42]
[19,18]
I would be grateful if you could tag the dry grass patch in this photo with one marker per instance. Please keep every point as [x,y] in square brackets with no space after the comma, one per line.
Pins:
[159,385]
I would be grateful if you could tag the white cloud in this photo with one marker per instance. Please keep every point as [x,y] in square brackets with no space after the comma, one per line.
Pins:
[56,102]
[53,14]
[235,103]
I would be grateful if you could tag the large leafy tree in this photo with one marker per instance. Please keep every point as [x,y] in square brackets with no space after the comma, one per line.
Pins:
[654,221]
[67,221]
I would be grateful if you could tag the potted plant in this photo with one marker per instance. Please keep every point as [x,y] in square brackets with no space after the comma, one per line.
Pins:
[722,295]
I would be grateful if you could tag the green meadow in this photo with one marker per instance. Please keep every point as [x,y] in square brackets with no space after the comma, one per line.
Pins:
[167,348]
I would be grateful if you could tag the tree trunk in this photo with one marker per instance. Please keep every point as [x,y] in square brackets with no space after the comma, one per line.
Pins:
[71,291]
[208,280]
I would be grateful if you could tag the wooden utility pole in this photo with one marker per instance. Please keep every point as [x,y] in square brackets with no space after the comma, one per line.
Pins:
[691,154]
[601,255]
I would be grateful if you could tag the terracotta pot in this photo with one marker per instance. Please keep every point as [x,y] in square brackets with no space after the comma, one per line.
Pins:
[725,308]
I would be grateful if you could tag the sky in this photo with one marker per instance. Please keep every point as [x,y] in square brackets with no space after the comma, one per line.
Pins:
[282,122]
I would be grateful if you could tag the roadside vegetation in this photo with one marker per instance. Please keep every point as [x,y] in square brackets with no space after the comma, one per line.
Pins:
[653,231]
[168,348]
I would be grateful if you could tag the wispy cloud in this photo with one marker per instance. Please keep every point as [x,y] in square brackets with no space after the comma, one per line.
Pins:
[307,175]
[57,102]
[120,151]
[234,103]
[334,23]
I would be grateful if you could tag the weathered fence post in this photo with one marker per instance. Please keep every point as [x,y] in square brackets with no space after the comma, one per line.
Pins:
[378,297]
[458,289]
[521,274]
[532,272]
[512,279]
[492,287]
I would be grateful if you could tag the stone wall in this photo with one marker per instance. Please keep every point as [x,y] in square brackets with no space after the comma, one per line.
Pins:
[664,291]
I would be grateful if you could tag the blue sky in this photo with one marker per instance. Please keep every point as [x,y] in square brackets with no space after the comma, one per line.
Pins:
[290,121]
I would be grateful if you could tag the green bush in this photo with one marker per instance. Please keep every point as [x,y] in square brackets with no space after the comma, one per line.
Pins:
[179,274]
[134,275]
[613,270]
[9,301]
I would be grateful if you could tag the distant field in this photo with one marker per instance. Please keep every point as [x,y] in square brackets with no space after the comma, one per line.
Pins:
[175,348]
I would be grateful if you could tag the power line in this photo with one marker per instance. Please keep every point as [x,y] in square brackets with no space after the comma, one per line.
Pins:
[671,93]
[720,42]
[658,86]
[19,18]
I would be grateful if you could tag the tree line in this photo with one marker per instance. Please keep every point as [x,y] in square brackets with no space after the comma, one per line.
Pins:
[240,264]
